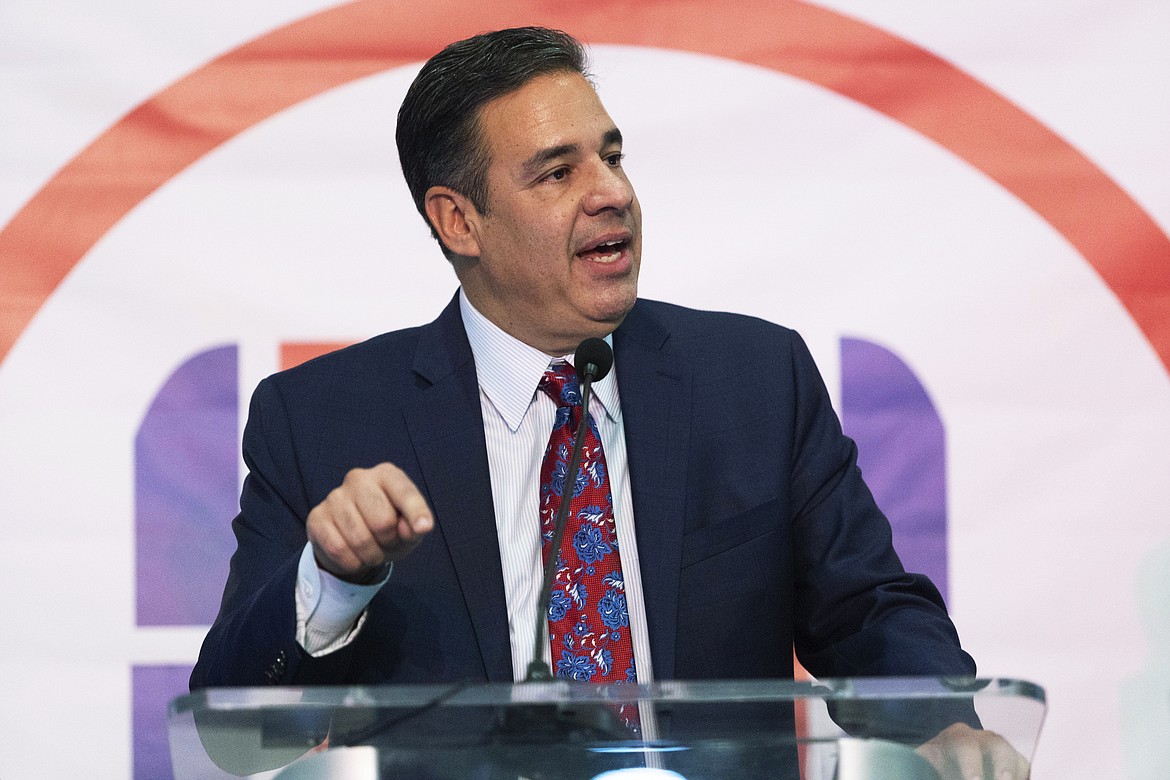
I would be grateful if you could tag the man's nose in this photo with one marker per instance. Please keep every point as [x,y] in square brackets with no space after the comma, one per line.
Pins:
[609,189]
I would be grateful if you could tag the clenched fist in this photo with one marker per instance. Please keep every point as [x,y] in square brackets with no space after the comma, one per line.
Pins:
[376,515]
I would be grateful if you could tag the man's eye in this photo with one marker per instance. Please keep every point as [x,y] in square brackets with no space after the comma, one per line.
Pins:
[615,159]
[558,174]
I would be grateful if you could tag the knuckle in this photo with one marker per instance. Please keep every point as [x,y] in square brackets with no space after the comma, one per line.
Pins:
[355,477]
[334,500]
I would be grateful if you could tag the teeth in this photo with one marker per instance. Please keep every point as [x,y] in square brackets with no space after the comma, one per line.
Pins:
[614,245]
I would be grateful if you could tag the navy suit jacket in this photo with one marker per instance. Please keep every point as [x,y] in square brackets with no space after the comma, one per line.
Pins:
[754,527]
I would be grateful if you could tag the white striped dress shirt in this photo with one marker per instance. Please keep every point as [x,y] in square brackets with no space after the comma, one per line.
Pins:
[517,421]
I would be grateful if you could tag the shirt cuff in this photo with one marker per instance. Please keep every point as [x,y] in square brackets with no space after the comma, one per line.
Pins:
[330,611]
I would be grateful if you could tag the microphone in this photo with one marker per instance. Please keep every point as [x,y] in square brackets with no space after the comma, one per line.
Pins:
[592,362]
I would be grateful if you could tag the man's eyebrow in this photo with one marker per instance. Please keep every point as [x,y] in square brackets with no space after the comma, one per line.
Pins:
[537,161]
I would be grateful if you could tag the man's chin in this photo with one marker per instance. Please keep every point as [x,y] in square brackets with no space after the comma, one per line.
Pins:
[611,314]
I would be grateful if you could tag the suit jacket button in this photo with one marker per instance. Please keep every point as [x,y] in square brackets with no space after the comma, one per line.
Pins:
[276,671]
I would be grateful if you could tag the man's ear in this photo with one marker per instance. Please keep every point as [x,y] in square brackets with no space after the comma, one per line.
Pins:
[455,218]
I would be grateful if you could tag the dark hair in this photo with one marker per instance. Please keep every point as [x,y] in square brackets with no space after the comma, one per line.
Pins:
[438,134]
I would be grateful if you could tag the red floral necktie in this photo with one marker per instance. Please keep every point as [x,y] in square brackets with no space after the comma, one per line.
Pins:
[588,623]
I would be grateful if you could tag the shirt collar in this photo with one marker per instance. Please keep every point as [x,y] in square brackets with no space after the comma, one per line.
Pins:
[509,371]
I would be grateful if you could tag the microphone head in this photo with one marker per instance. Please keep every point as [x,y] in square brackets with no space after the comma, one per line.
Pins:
[593,358]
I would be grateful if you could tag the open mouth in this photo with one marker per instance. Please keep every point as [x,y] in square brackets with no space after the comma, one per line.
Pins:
[608,251]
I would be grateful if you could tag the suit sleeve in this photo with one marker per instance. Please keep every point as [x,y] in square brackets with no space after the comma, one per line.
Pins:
[253,640]
[857,611]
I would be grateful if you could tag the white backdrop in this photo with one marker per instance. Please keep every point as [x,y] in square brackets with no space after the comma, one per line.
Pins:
[762,193]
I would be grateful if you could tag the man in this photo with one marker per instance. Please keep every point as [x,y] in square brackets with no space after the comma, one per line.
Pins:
[390,524]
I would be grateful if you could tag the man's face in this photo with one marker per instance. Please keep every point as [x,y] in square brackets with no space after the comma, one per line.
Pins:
[560,246]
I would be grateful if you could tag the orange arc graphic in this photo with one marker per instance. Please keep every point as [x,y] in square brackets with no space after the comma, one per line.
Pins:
[168,132]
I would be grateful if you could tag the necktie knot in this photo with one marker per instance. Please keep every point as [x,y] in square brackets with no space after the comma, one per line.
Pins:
[560,383]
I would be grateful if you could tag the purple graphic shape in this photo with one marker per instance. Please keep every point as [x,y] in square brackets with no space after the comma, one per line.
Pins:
[186,491]
[901,451]
[154,687]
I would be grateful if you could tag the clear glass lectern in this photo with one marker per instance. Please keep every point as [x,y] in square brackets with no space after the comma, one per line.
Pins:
[849,729]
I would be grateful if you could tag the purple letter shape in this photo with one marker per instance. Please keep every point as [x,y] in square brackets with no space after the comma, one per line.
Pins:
[901,450]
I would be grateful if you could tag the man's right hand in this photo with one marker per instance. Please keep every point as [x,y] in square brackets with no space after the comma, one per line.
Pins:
[376,515]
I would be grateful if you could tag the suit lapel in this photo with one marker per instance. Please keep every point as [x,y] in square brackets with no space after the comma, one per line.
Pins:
[655,388]
[446,429]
